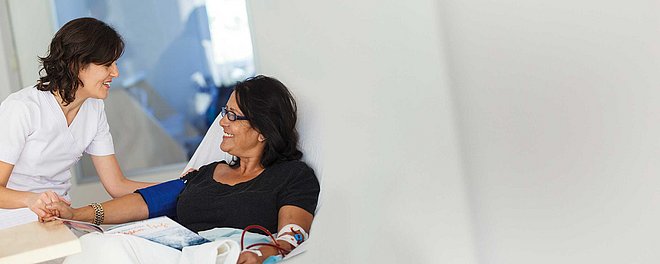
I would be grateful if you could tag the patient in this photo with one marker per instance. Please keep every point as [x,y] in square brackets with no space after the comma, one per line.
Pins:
[265,184]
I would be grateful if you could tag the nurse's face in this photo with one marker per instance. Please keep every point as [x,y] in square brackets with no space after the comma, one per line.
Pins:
[240,138]
[96,80]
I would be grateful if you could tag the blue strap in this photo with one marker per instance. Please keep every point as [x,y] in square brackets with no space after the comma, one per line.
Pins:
[161,198]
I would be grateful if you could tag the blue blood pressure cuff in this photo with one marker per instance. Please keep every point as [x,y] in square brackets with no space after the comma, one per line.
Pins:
[161,198]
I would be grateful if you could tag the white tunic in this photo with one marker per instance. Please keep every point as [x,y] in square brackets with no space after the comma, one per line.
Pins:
[35,138]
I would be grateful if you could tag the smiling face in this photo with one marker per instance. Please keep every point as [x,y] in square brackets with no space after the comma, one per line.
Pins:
[96,80]
[240,138]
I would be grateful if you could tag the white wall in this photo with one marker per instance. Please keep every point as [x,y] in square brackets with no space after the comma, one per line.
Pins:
[9,77]
[32,23]
[5,72]
[372,83]
[558,109]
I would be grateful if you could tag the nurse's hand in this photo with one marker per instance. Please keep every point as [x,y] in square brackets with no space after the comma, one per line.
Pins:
[37,203]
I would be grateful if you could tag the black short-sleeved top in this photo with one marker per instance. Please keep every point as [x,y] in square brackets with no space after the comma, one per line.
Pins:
[206,203]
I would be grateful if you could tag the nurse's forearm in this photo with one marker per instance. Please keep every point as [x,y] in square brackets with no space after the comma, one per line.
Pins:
[36,202]
[124,187]
[130,186]
[113,179]
[116,211]
[11,199]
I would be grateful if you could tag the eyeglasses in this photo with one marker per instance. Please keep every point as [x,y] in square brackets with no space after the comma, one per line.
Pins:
[231,115]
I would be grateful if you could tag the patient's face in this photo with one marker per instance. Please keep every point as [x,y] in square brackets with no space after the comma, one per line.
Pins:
[239,138]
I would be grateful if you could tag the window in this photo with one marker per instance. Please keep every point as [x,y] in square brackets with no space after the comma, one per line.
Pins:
[180,61]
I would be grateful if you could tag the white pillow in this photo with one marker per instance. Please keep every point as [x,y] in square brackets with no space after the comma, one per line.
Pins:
[209,149]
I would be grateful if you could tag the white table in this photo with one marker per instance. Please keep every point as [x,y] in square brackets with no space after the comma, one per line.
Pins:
[36,242]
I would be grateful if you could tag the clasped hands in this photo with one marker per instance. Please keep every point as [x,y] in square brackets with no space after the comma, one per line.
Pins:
[43,204]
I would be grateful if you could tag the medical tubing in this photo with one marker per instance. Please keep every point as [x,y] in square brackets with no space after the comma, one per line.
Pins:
[281,250]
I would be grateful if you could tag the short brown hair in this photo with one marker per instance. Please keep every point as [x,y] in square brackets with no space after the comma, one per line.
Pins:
[78,43]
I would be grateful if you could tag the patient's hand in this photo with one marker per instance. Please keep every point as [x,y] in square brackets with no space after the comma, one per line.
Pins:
[247,257]
[60,209]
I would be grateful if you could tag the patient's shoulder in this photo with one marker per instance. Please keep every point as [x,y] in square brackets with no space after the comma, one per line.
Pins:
[294,169]
[292,164]
[211,166]
[204,170]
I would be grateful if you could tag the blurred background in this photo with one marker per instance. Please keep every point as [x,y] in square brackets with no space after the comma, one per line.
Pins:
[180,63]
[443,131]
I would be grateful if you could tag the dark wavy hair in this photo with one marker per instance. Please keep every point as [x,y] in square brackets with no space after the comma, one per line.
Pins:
[272,111]
[77,44]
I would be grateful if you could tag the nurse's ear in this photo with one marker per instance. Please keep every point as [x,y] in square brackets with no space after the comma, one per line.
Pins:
[261,138]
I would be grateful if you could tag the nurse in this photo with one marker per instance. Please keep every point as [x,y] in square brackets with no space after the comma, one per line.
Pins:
[45,129]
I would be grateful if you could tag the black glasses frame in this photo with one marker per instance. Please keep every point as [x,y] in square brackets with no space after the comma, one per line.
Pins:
[231,115]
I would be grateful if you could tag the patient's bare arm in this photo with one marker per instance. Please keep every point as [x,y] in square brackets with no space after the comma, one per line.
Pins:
[131,207]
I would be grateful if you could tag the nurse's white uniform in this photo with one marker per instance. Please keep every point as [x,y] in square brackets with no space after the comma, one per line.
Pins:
[35,138]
